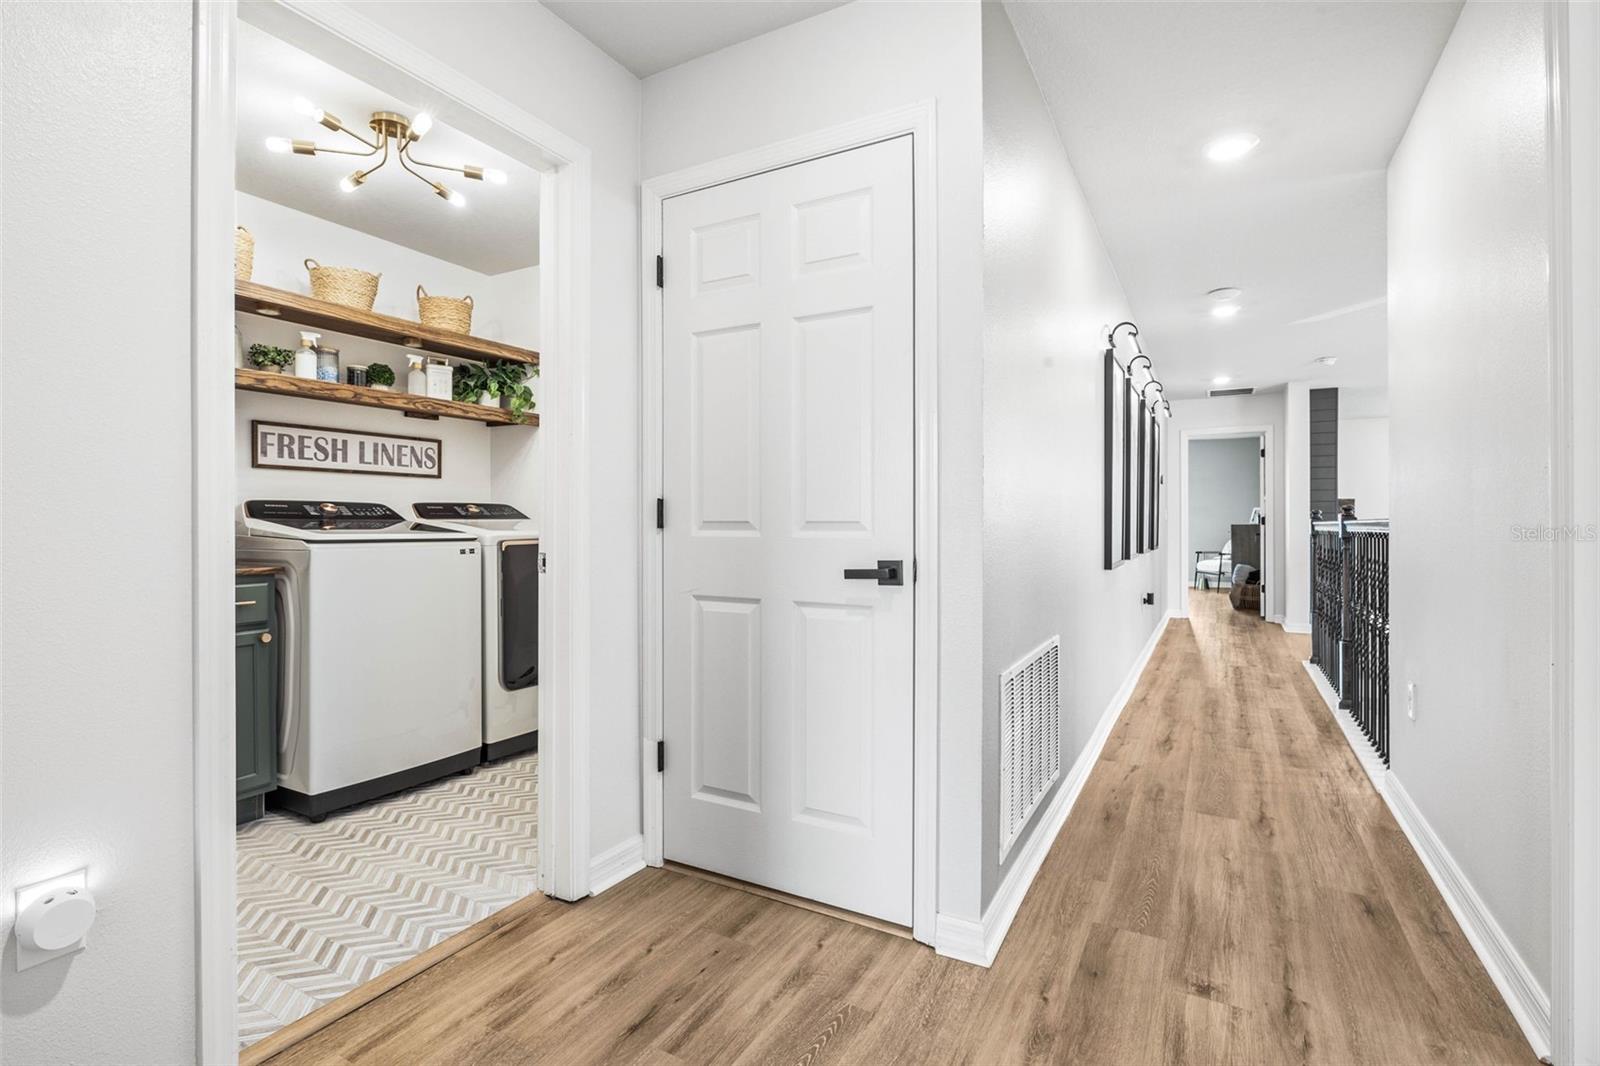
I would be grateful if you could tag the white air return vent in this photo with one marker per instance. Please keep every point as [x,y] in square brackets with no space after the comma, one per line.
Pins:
[1030,737]
[1231,392]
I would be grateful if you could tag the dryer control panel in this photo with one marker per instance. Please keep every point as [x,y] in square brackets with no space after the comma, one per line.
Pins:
[458,512]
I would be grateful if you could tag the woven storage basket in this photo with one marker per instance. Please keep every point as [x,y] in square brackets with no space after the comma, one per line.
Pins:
[244,253]
[345,286]
[444,312]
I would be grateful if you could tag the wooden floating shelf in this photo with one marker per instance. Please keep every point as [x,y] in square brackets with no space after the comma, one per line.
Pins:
[415,406]
[319,314]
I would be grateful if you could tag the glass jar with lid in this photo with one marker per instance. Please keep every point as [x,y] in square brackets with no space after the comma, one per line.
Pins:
[328,364]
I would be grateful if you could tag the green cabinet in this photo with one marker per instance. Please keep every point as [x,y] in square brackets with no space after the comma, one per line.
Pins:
[255,672]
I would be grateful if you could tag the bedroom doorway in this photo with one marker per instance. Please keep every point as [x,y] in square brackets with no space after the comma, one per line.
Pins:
[1226,496]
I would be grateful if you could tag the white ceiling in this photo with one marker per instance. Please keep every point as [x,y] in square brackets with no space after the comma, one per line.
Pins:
[497,230]
[1137,91]
[648,36]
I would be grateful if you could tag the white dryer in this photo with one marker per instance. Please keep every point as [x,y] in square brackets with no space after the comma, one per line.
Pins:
[510,618]
[381,685]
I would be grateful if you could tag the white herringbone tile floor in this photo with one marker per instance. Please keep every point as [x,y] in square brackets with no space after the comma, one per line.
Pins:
[324,908]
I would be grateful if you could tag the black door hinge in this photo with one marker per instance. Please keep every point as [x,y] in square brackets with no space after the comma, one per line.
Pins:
[913,569]
[1263,519]
[661,272]
[1263,450]
[661,513]
[661,756]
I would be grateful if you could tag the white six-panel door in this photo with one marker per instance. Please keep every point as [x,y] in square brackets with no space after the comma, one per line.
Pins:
[788,459]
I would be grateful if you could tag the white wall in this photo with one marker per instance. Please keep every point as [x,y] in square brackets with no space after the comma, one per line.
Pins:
[1364,463]
[1049,293]
[1468,393]
[95,647]
[853,61]
[1226,412]
[531,57]
[505,307]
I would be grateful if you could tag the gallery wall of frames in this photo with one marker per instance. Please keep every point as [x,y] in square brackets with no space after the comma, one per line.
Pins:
[1135,427]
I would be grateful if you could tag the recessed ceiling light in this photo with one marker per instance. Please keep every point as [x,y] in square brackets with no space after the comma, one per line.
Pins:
[1232,147]
[1225,294]
[1326,360]
[1224,310]
[1221,379]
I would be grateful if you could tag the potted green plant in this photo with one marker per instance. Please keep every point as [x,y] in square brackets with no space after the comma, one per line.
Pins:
[470,384]
[380,376]
[508,380]
[270,358]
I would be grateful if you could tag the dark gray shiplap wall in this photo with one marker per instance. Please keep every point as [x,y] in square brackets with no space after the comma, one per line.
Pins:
[1325,452]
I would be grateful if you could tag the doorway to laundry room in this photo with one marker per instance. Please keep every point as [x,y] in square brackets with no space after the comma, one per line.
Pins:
[388,466]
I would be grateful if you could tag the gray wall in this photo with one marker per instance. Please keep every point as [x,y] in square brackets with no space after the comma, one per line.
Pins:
[1224,485]
[1470,602]
[1049,287]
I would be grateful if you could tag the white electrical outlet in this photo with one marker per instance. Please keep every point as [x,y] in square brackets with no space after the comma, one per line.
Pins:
[1411,700]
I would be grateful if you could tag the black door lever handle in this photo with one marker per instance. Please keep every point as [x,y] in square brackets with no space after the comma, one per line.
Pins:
[888,572]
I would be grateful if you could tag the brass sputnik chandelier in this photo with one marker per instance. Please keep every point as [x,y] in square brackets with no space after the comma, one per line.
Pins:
[386,126]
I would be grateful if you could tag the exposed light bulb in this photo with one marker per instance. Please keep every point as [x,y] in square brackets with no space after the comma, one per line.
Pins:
[1224,310]
[421,124]
[1231,148]
[279,144]
[307,108]
[456,199]
[350,182]
[494,176]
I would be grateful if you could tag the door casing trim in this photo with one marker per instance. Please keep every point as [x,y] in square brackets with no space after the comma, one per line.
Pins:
[918,120]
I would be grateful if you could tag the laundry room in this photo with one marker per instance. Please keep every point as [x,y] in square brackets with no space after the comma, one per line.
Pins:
[387,463]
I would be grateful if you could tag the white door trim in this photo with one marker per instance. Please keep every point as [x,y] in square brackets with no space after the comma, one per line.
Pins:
[917,120]
[1269,560]
[1572,53]
[345,36]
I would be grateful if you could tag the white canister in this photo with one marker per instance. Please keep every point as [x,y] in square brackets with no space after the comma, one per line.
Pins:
[416,376]
[440,380]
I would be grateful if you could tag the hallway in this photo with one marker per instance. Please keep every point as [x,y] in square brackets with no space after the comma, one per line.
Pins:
[1228,888]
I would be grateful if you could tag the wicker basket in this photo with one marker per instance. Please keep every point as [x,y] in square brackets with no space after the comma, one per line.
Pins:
[444,312]
[345,286]
[244,253]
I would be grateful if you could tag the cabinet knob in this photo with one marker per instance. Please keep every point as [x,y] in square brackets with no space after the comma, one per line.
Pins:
[266,638]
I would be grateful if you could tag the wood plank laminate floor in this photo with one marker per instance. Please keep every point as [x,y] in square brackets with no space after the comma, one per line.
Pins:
[1228,889]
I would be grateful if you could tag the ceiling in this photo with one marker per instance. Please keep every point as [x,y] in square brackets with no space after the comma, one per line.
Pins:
[648,36]
[1138,90]
[497,230]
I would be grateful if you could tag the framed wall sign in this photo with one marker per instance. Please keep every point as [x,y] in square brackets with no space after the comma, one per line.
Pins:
[286,446]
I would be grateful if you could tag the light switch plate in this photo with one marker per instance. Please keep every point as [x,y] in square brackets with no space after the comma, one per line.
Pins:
[27,958]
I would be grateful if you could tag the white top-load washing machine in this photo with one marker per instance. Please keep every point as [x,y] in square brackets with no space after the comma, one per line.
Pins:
[381,684]
[510,618]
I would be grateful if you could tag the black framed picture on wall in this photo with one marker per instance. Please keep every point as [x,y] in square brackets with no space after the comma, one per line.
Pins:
[1115,394]
[1141,476]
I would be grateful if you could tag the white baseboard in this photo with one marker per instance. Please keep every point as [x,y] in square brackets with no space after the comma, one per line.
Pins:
[1529,1003]
[616,864]
[1366,755]
[1303,628]
[978,942]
